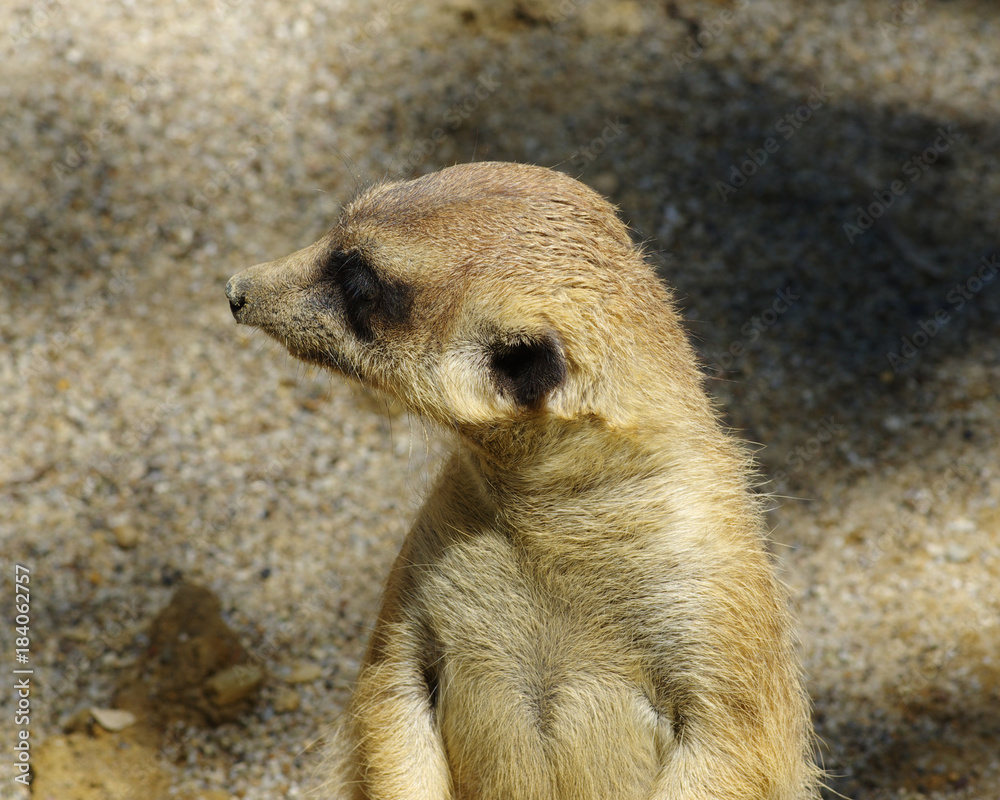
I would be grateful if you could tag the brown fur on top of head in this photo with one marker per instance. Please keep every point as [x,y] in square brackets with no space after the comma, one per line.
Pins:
[585,607]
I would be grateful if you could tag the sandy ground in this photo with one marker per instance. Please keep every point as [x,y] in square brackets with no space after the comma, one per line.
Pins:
[818,181]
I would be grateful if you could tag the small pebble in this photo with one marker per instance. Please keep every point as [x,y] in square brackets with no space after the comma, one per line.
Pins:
[287,700]
[957,554]
[126,536]
[304,673]
[113,719]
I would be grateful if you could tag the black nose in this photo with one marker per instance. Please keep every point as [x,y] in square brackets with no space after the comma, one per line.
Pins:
[237,298]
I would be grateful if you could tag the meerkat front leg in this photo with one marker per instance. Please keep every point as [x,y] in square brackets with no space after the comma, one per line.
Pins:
[392,724]
[400,748]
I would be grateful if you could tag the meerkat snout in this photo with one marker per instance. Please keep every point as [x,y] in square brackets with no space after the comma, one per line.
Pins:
[237,297]
[584,608]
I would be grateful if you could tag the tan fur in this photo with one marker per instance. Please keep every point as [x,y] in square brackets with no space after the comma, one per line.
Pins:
[584,608]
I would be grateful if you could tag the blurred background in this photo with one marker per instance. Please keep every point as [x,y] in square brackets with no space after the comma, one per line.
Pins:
[817,182]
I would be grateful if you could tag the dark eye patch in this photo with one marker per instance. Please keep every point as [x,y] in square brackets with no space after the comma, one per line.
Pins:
[369,300]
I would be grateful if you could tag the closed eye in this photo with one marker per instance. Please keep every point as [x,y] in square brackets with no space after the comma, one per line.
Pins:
[357,281]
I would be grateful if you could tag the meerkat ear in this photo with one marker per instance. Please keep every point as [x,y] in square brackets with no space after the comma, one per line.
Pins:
[527,367]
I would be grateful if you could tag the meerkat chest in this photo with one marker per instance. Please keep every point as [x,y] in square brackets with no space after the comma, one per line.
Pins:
[532,675]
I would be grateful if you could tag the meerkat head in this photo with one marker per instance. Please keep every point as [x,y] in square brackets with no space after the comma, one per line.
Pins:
[479,295]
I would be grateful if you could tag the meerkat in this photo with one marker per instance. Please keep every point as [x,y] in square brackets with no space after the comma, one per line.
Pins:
[585,607]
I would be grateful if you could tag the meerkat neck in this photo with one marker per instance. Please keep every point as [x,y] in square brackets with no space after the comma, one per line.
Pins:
[640,477]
